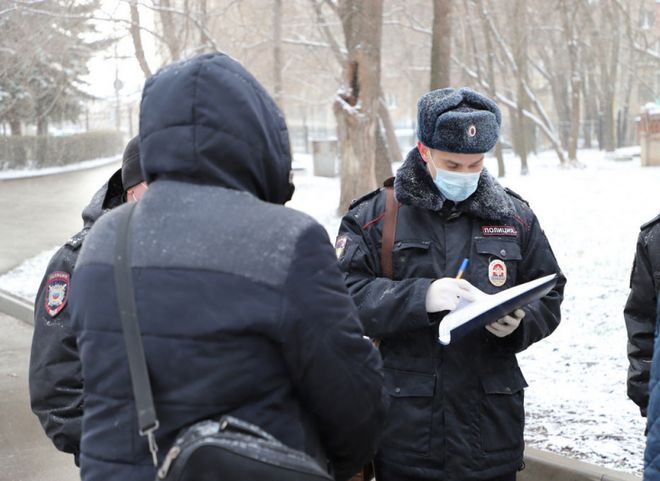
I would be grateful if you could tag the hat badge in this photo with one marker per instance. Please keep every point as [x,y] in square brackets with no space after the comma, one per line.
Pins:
[472,131]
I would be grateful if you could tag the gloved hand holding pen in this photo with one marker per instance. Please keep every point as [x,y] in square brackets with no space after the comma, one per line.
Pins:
[446,293]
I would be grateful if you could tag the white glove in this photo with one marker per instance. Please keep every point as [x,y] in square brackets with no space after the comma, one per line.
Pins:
[445,294]
[506,325]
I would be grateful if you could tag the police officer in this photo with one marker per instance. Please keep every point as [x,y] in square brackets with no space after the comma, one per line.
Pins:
[456,411]
[640,312]
[55,378]
[242,307]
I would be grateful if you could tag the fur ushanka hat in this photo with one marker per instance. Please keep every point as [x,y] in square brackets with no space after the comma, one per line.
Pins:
[461,121]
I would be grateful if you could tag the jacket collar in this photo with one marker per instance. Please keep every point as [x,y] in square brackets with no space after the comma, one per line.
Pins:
[414,186]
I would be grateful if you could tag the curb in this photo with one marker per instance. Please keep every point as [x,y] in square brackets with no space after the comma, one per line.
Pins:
[17,307]
[546,466]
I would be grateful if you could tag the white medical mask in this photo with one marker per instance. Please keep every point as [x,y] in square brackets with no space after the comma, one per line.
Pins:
[456,186]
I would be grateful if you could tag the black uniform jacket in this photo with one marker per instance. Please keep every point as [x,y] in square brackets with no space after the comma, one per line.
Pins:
[640,312]
[457,410]
[55,377]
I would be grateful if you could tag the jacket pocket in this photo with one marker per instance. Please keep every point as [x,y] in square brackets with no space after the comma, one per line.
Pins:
[502,410]
[408,424]
[506,252]
[412,258]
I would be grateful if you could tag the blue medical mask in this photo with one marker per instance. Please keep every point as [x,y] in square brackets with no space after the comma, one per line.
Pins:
[456,186]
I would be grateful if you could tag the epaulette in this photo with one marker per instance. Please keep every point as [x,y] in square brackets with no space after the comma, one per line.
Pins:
[650,223]
[368,196]
[77,240]
[516,195]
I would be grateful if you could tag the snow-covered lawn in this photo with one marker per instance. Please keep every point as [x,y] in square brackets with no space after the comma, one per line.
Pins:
[576,400]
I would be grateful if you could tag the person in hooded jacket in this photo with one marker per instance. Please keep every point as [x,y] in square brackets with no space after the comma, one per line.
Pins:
[640,312]
[456,411]
[241,304]
[55,380]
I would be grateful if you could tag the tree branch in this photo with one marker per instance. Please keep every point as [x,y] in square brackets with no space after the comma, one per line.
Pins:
[202,29]
[137,39]
[340,55]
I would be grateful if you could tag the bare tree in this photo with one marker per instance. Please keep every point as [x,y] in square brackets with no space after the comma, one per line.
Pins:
[607,26]
[523,89]
[356,104]
[136,36]
[569,27]
[441,44]
[490,78]
[170,33]
[277,51]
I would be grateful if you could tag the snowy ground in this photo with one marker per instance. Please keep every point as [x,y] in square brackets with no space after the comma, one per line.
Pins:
[576,401]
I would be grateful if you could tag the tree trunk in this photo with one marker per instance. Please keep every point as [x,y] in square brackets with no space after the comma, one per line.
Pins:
[390,133]
[383,161]
[203,8]
[42,126]
[501,169]
[383,157]
[15,127]
[607,125]
[575,119]
[623,132]
[441,44]
[136,35]
[520,56]
[357,151]
[277,53]
[588,116]
[18,154]
[570,37]
[169,30]
[609,77]
[356,104]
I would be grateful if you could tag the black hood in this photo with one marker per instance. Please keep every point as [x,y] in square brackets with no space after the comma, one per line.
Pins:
[208,120]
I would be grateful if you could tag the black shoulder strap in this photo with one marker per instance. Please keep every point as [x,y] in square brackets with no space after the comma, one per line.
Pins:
[144,403]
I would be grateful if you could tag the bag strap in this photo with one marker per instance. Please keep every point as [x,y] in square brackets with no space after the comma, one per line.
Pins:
[144,403]
[389,231]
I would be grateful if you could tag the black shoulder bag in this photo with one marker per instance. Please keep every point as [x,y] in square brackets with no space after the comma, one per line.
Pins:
[226,449]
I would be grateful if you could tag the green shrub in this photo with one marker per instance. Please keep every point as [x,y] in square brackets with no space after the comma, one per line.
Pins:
[33,152]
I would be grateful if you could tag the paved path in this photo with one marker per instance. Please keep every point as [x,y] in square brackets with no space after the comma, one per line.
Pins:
[39,213]
[26,454]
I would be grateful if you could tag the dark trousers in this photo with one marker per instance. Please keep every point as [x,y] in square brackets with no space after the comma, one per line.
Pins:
[505,477]
[383,476]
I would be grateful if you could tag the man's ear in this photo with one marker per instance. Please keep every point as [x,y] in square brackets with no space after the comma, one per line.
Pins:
[423,151]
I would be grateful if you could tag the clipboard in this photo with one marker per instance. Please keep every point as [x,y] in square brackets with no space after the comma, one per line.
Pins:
[488,308]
